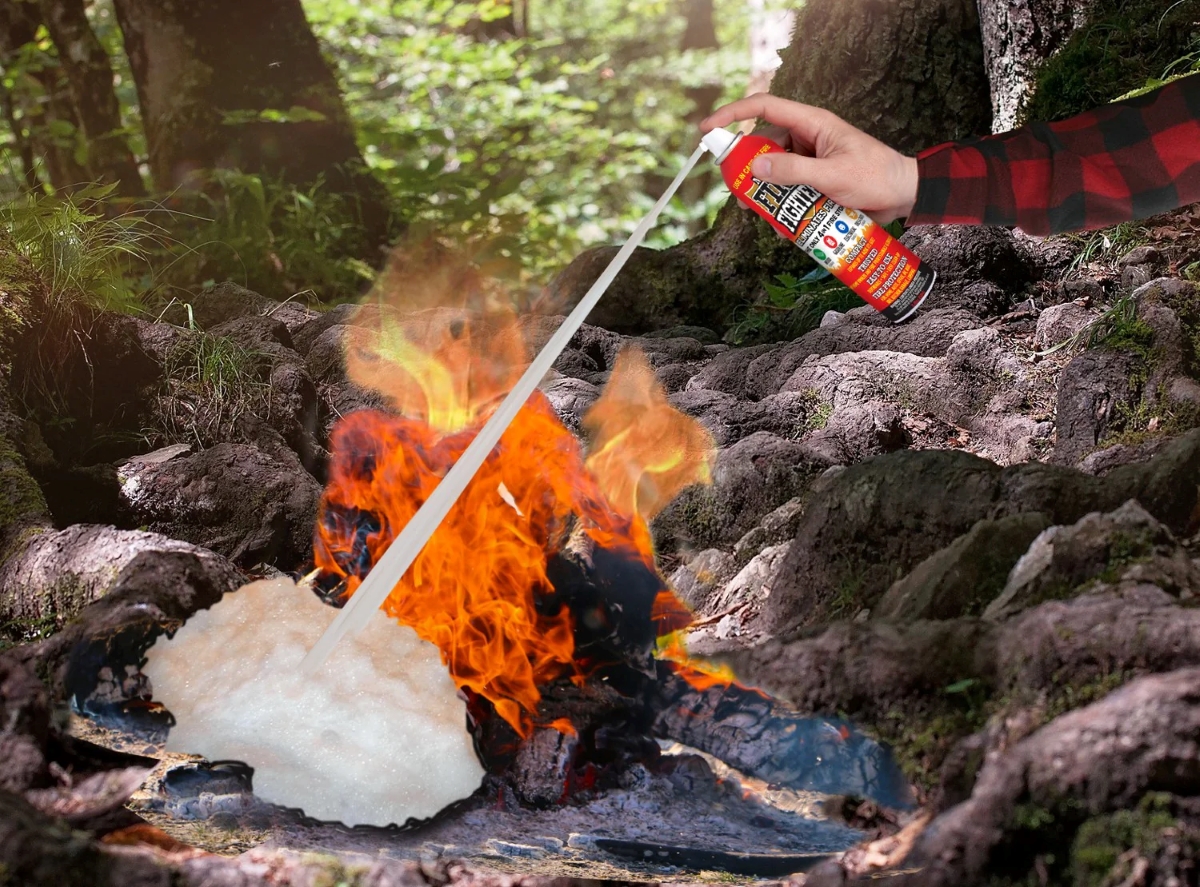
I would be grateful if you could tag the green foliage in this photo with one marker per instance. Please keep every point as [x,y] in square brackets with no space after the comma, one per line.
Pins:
[1106,245]
[794,306]
[82,255]
[1101,842]
[1121,329]
[1126,45]
[271,237]
[534,147]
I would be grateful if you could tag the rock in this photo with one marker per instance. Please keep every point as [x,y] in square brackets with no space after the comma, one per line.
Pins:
[751,478]
[56,573]
[858,431]
[95,659]
[1141,265]
[741,599]
[696,581]
[24,727]
[571,399]
[831,318]
[210,307]
[292,315]
[311,330]
[295,414]
[232,499]
[325,359]
[37,851]
[962,578]
[675,376]
[266,339]
[930,334]
[23,507]
[964,256]
[1101,462]
[1058,323]
[575,363]
[1092,390]
[1083,289]
[1063,559]
[661,351]
[730,420]
[1097,759]
[701,334]
[870,524]
[727,372]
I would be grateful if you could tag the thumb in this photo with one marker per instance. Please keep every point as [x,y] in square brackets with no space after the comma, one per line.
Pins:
[785,168]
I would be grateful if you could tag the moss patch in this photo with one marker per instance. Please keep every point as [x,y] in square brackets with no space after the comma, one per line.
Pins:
[1123,45]
[22,503]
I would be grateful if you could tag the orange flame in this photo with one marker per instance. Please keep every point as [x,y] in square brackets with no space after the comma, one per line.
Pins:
[474,590]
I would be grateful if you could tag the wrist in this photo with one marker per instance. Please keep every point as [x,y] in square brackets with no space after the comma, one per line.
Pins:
[909,183]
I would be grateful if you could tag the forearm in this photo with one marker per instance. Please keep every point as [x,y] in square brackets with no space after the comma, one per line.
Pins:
[1120,162]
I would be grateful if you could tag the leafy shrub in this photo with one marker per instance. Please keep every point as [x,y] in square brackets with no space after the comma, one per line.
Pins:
[271,237]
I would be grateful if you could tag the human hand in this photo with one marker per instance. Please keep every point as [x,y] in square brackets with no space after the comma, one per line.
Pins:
[827,153]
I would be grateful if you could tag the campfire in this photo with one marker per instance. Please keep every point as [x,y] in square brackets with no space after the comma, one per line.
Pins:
[481,590]
[539,591]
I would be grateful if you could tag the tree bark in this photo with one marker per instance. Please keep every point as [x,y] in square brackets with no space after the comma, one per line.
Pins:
[909,72]
[1018,35]
[47,111]
[205,72]
[89,76]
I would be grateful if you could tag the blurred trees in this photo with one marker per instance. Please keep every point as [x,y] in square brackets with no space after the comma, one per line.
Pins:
[525,131]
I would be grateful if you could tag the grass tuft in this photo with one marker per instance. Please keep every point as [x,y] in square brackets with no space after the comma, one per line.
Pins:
[210,385]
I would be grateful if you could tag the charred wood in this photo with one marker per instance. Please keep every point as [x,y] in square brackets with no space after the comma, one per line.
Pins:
[763,738]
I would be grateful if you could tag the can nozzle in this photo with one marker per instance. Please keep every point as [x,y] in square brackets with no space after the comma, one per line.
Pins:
[719,141]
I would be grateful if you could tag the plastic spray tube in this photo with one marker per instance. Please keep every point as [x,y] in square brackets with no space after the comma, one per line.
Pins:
[852,247]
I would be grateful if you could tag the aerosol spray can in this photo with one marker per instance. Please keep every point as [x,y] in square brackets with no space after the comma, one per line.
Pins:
[857,251]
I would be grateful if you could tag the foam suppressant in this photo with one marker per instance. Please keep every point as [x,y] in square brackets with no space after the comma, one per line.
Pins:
[846,242]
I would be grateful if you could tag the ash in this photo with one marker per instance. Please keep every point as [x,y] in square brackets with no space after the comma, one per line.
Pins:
[681,803]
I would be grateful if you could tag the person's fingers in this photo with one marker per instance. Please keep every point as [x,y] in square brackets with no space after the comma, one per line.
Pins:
[803,120]
[792,169]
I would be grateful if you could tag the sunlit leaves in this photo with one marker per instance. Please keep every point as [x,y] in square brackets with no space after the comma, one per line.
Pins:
[535,147]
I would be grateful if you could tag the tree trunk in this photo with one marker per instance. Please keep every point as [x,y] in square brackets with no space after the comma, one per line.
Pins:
[909,72]
[700,34]
[20,139]
[43,98]
[90,79]
[512,24]
[207,72]
[1018,35]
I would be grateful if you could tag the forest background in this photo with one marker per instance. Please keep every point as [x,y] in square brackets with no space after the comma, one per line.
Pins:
[524,134]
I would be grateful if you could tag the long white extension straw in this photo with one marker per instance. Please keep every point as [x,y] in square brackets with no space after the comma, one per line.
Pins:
[399,556]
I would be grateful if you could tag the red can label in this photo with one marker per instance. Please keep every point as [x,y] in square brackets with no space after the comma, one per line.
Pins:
[857,251]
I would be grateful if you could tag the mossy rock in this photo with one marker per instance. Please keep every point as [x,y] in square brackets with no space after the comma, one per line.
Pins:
[1123,45]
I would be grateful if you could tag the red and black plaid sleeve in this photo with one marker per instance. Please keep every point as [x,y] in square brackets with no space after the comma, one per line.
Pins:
[1120,162]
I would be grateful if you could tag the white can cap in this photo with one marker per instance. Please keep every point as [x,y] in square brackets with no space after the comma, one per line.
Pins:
[719,141]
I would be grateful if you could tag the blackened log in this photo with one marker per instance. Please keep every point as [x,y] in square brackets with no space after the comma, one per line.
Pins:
[765,739]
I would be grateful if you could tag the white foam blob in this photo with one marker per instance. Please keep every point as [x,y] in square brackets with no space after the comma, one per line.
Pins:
[376,736]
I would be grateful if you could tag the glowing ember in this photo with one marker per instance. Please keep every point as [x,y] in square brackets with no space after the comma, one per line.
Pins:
[479,588]
[378,737]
